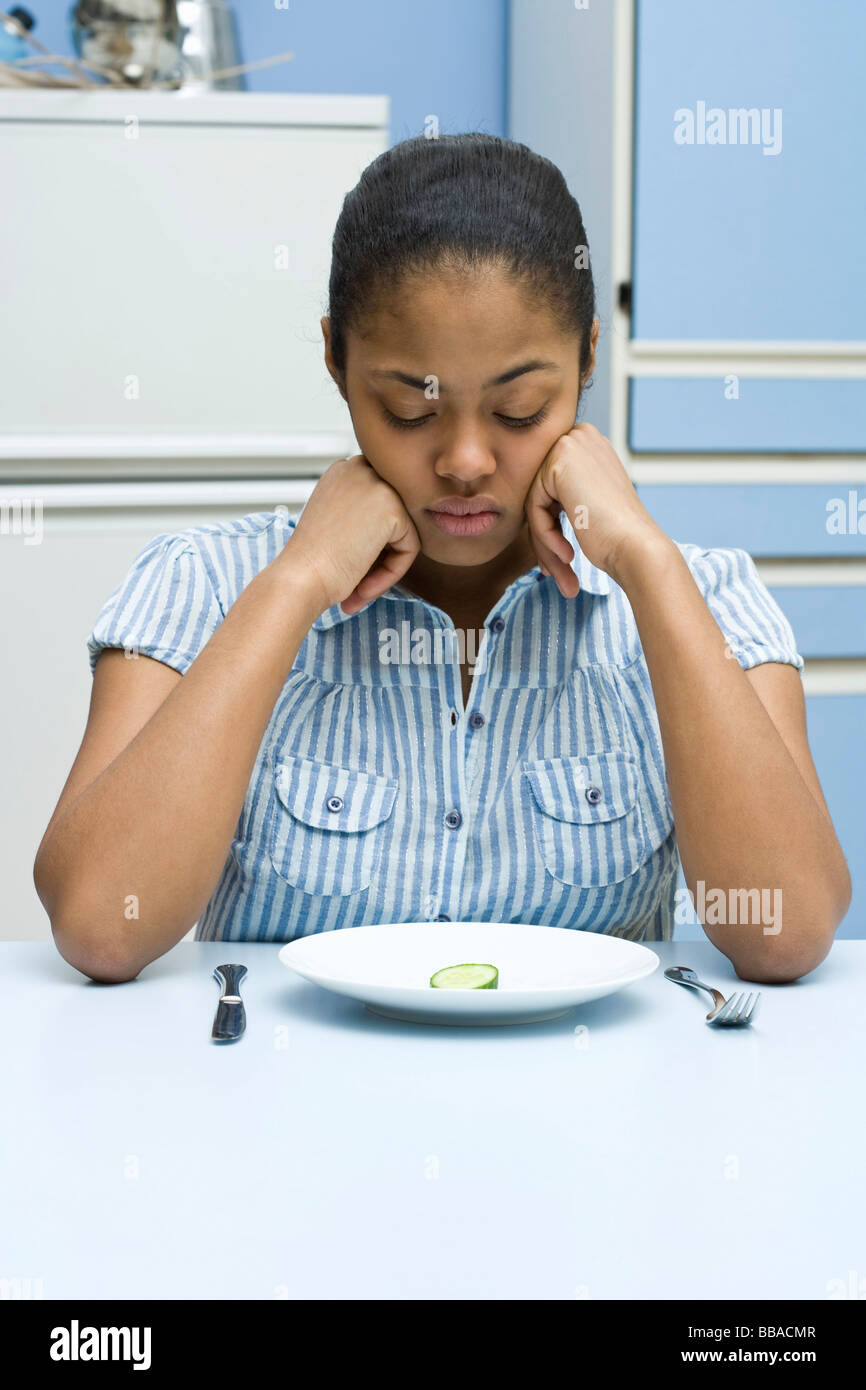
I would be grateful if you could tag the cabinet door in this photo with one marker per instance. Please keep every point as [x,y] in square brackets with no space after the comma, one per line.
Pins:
[749,215]
[54,591]
[170,286]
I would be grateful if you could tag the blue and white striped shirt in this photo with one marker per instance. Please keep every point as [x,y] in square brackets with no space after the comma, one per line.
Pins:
[375,797]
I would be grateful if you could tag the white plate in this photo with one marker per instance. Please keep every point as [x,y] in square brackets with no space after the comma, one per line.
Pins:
[543,971]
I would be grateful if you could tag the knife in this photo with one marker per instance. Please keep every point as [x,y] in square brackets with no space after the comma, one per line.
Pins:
[230,1020]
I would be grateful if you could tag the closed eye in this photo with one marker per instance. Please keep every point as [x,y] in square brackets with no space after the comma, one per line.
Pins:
[513,422]
[404,424]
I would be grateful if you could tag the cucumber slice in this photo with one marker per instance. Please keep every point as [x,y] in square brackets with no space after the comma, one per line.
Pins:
[466,977]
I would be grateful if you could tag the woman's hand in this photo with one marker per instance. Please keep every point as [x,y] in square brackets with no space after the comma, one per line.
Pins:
[354,535]
[582,475]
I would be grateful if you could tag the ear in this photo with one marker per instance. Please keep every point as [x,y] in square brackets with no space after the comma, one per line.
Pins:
[593,340]
[329,360]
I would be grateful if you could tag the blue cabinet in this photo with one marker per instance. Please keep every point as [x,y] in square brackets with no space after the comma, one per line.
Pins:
[732,242]
[812,520]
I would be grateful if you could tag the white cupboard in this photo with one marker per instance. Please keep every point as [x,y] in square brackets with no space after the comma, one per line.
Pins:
[166,261]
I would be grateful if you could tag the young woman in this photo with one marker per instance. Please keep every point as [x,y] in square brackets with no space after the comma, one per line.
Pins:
[296,747]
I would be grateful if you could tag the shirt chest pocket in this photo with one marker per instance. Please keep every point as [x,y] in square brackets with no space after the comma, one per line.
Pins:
[587,817]
[329,825]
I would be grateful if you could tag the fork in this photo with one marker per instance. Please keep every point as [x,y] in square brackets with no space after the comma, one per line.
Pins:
[736,1012]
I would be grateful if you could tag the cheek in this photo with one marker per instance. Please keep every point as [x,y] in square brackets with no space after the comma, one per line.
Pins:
[527,453]
[397,463]
[376,441]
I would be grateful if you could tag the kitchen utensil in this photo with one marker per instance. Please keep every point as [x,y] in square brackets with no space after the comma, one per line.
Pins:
[231,1019]
[211,43]
[733,1013]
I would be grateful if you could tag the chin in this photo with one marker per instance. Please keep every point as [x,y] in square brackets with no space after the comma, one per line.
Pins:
[464,550]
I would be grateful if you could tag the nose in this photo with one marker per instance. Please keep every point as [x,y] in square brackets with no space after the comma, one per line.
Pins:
[465,455]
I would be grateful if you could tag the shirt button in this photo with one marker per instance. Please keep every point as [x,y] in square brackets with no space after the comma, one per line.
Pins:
[335,803]
[498,624]
[453,819]
[593,795]
[476,719]
[443,917]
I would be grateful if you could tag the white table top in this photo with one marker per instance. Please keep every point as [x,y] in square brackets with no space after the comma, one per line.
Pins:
[333,1154]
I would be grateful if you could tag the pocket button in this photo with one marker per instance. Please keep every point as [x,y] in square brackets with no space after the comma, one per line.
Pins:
[324,841]
[587,816]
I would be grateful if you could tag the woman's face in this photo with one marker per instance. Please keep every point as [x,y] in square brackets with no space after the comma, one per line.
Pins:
[487,383]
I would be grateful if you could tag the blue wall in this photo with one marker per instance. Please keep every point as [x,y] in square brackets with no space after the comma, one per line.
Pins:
[448,59]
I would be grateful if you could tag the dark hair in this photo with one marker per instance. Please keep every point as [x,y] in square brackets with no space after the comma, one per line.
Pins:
[460,201]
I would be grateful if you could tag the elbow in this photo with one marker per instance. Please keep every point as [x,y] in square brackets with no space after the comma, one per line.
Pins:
[96,955]
[781,970]
[845,892]
[41,880]
[796,942]
[798,950]
[97,964]
[94,952]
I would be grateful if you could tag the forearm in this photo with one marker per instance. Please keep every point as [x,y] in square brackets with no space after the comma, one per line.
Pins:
[131,865]
[745,818]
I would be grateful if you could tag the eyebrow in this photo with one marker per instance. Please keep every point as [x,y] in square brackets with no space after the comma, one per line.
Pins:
[534,366]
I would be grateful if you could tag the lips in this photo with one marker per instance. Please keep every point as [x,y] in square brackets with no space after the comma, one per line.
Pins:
[465,516]
[464,506]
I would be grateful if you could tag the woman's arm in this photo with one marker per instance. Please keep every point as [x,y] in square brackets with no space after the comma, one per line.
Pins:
[753,830]
[148,812]
[747,803]
[128,866]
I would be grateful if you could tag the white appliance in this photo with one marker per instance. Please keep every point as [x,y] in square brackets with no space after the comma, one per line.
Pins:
[166,261]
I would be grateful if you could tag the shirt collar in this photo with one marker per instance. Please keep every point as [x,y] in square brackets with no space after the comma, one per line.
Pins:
[592,581]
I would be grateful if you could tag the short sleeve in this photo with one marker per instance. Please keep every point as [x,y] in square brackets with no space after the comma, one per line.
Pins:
[165,608]
[754,625]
